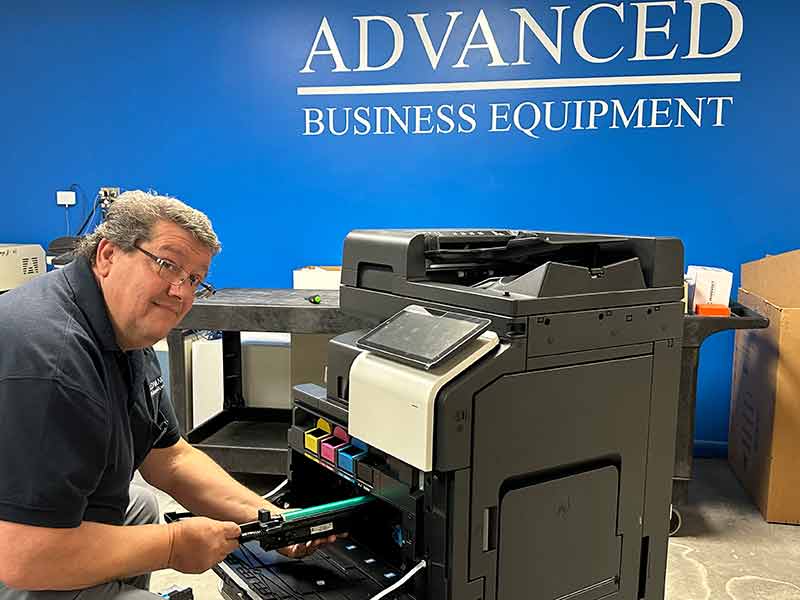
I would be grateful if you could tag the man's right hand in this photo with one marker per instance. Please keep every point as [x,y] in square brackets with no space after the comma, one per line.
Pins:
[199,543]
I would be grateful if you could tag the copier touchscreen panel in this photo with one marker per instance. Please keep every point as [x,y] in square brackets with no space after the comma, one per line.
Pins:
[422,338]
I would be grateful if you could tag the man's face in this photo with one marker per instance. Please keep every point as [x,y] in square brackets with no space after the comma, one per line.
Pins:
[142,305]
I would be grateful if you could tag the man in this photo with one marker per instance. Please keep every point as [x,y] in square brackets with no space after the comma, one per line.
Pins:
[81,409]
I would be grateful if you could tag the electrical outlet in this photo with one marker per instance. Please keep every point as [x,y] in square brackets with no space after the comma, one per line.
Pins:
[109,192]
[65,198]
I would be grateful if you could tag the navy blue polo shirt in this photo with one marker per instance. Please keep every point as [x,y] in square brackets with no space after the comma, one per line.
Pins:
[77,414]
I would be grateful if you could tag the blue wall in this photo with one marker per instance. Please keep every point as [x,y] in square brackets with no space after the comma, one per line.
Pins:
[199,100]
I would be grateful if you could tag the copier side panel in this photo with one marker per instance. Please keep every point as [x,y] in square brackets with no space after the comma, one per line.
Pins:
[453,418]
[565,425]
[660,453]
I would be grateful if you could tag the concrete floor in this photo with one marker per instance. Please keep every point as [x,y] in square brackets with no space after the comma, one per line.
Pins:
[724,550]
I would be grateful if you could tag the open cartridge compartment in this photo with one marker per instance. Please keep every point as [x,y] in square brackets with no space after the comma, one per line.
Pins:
[327,464]
[339,465]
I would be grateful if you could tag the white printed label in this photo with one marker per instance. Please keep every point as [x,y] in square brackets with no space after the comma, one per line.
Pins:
[321,528]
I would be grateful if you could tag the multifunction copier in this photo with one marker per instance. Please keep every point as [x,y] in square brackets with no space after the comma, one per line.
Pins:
[511,414]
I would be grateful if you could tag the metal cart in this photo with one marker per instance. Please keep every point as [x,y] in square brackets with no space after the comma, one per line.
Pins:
[695,330]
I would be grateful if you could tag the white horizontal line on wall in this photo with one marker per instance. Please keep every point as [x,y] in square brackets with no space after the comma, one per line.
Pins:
[519,84]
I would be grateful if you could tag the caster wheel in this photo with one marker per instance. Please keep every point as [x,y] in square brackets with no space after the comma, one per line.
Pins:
[675,521]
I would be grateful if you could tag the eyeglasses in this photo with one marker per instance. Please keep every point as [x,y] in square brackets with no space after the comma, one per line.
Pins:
[175,275]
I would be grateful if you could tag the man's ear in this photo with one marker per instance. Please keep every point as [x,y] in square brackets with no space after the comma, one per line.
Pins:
[105,257]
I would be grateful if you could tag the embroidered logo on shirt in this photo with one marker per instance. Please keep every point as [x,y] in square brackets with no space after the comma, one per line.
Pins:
[156,385]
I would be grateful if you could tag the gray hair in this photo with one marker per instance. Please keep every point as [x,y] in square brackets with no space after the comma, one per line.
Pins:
[132,215]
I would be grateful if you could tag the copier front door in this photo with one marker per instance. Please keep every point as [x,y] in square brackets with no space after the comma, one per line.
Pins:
[558,487]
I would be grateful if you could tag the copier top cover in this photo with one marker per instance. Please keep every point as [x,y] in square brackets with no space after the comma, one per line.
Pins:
[507,271]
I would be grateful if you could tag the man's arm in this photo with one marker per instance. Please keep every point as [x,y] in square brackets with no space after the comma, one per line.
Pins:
[48,558]
[36,558]
[200,484]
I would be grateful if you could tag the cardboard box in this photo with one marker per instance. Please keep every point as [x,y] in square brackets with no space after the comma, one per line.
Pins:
[310,350]
[764,441]
[316,278]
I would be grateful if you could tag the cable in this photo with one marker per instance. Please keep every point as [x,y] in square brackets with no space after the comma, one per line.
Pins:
[66,214]
[86,213]
[420,565]
[89,216]
[275,490]
[75,187]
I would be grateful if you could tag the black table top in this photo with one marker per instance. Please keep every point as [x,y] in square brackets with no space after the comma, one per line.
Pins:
[268,309]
